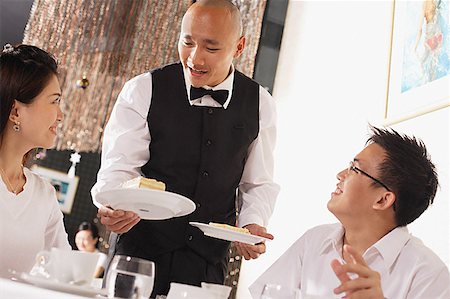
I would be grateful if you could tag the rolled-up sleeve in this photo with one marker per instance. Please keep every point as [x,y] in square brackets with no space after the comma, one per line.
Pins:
[257,190]
[126,138]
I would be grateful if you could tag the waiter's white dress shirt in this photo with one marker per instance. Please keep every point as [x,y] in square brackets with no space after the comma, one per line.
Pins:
[30,221]
[127,137]
[408,268]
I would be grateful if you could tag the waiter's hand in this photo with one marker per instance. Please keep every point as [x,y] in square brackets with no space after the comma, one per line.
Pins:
[366,285]
[253,251]
[118,221]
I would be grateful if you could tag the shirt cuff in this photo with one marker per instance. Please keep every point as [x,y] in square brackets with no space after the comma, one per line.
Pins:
[244,220]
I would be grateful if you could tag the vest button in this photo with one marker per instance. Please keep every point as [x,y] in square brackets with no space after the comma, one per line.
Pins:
[198,205]
[190,238]
[205,174]
[210,111]
[208,142]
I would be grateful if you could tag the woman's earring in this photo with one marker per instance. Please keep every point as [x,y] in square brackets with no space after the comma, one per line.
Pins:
[16,126]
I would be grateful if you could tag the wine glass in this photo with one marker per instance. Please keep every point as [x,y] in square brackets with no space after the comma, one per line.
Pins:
[130,277]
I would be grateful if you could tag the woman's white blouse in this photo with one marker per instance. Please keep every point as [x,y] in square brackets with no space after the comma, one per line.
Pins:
[30,221]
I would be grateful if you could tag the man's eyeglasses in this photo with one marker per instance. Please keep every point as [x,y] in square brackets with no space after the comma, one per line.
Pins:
[352,166]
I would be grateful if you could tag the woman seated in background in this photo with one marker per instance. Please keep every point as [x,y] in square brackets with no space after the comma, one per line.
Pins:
[86,239]
[30,218]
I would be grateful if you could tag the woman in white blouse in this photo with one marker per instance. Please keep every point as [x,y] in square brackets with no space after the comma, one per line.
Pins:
[30,219]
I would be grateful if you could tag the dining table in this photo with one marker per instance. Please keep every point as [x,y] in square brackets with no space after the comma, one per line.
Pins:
[14,289]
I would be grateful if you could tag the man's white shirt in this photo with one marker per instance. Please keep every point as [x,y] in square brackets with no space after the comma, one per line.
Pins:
[408,269]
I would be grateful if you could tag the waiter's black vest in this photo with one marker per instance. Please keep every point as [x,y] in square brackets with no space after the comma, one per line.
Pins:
[199,152]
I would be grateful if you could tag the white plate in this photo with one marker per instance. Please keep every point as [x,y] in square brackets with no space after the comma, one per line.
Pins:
[229,235]
[149,204]
[82,290]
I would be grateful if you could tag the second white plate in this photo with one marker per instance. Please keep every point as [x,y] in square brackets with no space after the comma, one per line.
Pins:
[149,204]
[229,235]
[82,290]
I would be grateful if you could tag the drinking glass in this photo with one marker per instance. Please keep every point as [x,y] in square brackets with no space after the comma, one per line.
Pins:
[130,277]
[276,291]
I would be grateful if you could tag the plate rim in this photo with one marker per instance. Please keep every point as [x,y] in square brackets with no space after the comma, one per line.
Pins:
[257,239]
[187,206]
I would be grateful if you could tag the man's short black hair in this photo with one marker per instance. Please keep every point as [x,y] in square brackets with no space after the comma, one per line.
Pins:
[408,171]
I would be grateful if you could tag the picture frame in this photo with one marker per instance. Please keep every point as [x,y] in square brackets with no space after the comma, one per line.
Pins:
[419,62]
[65,186]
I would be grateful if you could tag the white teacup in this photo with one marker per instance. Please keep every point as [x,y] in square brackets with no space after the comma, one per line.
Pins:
[184,291]
[276,291]
[222,291]
[72,266]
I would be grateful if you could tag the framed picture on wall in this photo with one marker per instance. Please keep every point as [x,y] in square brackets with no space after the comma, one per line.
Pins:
[419,64]
[65,186]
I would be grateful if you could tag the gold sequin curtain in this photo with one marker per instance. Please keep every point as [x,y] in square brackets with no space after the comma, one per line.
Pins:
[112,41]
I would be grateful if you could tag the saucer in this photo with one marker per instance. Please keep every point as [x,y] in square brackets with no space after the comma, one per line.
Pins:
[82,290]
[149,204]
[229,235]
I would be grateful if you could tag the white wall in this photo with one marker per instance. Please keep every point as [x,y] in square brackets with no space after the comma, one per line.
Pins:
[331,82]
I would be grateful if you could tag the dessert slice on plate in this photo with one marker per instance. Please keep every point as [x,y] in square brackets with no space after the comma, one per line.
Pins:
[141,182]
[229,227]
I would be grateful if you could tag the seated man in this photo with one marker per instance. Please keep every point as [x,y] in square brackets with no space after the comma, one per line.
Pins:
[370,253]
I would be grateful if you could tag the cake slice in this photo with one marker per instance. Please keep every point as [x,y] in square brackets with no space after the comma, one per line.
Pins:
[229,227]
[141,182]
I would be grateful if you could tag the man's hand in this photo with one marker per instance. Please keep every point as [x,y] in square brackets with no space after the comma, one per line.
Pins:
[118,221]
[368,283]
[253,251]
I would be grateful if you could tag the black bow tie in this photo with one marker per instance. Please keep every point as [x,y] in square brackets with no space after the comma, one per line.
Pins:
[220,96]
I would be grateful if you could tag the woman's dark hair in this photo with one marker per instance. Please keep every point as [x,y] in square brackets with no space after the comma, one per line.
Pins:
[408,171]
[90,227]
[24,72]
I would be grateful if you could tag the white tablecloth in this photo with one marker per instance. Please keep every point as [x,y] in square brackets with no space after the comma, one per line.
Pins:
[16,290]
